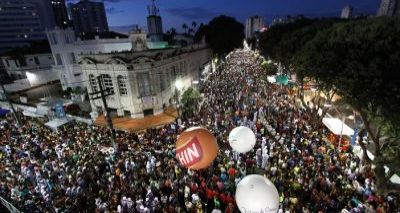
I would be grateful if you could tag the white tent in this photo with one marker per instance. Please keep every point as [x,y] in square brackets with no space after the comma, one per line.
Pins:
[56,123]
[33,113]
[337,127]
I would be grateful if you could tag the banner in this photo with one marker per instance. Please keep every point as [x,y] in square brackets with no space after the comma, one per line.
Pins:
[59,108]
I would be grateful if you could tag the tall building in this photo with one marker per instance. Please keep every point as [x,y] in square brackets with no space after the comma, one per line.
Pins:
[89,16]
[154,23]
[20,23]
[253,24]
[389,8]
[347,12]
[60,13]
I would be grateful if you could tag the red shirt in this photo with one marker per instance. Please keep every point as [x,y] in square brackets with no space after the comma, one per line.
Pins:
[223,197]
[232,172]
[210,193]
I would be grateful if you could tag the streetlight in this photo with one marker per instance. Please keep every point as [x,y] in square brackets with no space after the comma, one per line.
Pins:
[178,87]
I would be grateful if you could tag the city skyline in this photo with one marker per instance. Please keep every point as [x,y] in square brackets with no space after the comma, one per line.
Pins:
[127,13]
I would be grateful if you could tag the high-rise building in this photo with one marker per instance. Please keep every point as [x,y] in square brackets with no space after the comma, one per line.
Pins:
[347,12]
[60,13]
[154,23]
[389,8]
[89,16]
[21,22]
[253,24]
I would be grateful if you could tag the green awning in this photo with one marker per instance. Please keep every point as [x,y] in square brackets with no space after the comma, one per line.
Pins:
[282,79]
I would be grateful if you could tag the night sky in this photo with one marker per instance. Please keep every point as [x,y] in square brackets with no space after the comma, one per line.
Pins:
[176,12]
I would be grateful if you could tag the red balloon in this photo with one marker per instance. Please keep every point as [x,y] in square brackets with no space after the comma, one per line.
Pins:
[196,148]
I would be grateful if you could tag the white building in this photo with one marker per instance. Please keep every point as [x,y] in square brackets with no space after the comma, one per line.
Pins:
[66,49]
[143,82]
[389,8]
[253,24]
[347,12]
[31,70]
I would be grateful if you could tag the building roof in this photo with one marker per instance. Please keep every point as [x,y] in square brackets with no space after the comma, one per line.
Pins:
[103,35]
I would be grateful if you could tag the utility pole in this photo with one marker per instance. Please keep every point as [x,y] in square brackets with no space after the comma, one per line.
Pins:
[11,105]
[102,94]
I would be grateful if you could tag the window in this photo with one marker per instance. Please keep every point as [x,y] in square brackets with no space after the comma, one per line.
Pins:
[93,83]
[173,72]
[55,41]
[37,60]
[162,81]
[123,91]
[58,59]
[73,59]
[143,80]
[107,82]
[67,39]
[77,74]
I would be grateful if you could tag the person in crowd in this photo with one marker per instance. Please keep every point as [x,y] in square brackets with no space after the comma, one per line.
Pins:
[72,171]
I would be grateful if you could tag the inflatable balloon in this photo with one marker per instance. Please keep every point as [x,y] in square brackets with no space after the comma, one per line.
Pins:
[242,139]
[196,148]
[255,193]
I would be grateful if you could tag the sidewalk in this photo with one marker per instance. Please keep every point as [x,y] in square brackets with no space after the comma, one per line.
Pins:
[131,124]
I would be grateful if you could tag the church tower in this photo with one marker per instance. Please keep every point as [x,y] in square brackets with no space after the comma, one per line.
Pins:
[154,23]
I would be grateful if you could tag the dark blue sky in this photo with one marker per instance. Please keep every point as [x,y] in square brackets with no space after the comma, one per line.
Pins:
[177,12]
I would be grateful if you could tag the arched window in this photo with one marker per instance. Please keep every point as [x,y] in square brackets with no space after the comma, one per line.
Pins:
[123,91]
[107,82]
[93,83]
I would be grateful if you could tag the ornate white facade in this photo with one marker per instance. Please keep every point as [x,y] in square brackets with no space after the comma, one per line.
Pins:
[66,49]
[143,82]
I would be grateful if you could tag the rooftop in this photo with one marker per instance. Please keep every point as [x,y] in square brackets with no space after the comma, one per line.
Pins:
[104,35]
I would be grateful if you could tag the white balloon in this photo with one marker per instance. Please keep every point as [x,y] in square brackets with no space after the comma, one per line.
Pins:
[255,193]
[242,139]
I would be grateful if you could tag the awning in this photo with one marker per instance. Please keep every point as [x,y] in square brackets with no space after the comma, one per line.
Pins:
[282,79]
[31,113]
[56,123]
[337,127]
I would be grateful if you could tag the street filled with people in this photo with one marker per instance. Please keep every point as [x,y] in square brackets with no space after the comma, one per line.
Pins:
[75,170]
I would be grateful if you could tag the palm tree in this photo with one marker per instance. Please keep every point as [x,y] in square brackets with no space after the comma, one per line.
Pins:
[194,25]
[184,26]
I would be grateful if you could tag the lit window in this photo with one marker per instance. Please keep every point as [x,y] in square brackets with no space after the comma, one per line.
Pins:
[123,91]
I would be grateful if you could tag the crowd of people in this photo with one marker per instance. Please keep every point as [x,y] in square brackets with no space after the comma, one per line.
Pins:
[70,171]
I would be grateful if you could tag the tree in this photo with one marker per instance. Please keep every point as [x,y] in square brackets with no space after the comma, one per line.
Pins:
[224,34]
[190,100]
[194,24]
[173,31]
[190,31]
[201,32]
[269,68]
[282,42]
[358,59]
[184,27]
